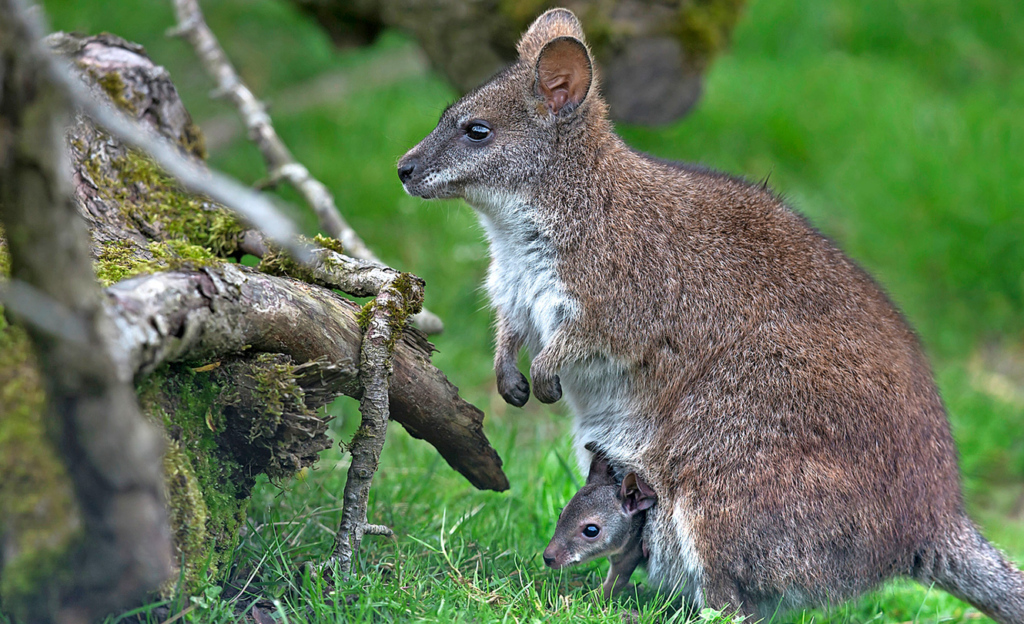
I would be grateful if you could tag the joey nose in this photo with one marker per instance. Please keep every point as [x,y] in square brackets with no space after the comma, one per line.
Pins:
[551,556]
[406,169]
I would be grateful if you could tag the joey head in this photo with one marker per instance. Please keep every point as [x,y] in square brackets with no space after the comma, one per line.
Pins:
[603,519]
[706,337]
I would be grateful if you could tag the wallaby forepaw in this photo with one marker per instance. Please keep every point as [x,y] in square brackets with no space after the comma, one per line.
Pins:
[547,389]
[514,388]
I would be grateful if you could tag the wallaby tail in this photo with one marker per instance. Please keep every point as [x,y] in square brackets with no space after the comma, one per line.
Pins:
[973,570]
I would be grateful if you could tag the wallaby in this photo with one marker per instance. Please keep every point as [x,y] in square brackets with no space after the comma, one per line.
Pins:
[603,519]
[708,339]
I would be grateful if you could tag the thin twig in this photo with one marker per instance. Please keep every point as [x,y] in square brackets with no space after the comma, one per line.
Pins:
[367,443]
[281,165]
[280,162]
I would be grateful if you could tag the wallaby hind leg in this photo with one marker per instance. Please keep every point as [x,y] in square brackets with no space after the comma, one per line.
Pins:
[973,570]
[722,594]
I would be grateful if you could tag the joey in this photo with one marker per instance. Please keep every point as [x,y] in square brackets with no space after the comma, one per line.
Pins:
[603,519]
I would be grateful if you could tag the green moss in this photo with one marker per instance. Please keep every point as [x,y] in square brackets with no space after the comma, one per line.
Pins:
[703,27]
[278,391]
[277,262]
[207,491]
[365,313]
[120,259]
[193,141]
[413,298]
[398,315]
[275,387]
[191,230]
[5,258]
[152,197]
[187,512]
[117,260]
[114,86]
[38,515]
[329,243]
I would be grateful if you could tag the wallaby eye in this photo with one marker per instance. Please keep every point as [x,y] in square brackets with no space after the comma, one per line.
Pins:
[477,131]
[591,531]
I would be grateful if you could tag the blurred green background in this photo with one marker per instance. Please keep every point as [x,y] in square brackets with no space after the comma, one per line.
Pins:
[896,126]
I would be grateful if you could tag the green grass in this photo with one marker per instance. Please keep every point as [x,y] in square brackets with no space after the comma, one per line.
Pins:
[897,127]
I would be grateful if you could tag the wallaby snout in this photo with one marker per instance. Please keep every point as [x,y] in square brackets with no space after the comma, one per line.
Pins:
[415,179]
[406,169]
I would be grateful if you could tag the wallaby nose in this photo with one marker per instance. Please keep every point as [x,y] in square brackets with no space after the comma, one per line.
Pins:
[405,170]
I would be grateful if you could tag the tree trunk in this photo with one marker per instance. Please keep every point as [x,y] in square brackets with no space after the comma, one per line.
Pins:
[652,55]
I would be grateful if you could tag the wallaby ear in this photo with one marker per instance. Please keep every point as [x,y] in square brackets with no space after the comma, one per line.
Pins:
[551,25]
[636,494]
[564,73]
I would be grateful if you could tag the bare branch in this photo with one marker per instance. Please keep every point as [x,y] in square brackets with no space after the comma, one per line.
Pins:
[280,162]
[281,165]
[356,277]
[325,267]
[222,310]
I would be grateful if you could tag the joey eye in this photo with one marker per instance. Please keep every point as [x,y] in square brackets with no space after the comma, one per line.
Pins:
[478,131]
[591,531]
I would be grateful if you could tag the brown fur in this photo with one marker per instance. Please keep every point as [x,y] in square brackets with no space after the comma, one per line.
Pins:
[760,381]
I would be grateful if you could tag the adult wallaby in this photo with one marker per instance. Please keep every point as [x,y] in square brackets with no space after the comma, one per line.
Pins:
[604,519]
[711,341]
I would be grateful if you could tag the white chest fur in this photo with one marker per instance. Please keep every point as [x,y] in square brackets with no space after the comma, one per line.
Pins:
[523,284]
[522,281]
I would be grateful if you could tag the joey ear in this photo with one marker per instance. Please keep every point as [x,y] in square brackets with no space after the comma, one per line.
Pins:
[636,494]
[600,470]
[550,25]
[564,73]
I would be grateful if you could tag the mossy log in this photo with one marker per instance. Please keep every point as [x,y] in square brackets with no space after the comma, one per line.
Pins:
[231,362]
[652,55]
